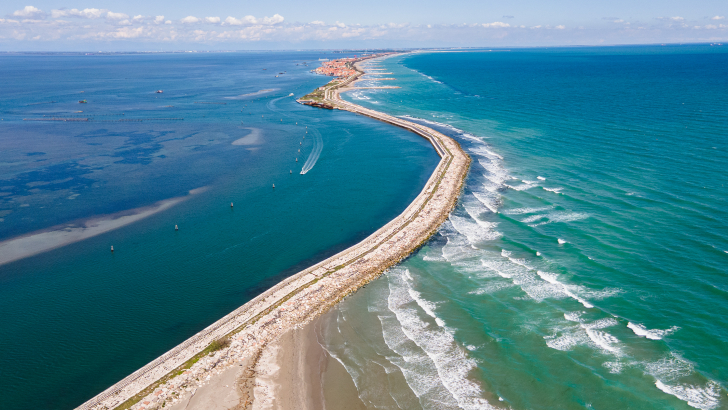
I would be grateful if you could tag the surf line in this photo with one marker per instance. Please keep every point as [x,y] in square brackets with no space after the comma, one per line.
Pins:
[305,295]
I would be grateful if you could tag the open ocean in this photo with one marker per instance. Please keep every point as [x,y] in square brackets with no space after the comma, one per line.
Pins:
[586,264]
[77,319]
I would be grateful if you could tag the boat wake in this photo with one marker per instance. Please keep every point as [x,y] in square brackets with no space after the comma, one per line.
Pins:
[318,146]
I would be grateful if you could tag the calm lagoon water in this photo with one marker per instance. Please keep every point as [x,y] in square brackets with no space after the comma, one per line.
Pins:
[77,319]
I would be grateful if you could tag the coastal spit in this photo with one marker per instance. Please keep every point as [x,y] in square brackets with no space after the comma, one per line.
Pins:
[237,340]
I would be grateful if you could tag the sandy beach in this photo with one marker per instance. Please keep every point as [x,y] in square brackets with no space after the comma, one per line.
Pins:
[265,354]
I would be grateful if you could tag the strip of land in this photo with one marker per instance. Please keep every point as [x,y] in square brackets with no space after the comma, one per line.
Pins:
[228,350]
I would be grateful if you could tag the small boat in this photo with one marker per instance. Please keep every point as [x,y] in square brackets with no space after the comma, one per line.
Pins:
[159,91]
[82,102]
[290,95]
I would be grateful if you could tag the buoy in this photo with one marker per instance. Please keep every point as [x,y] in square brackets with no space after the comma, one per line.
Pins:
[231,204]
[291,171]
[274,185]
[176,228]
[300,143]
[112,248]
[296,159]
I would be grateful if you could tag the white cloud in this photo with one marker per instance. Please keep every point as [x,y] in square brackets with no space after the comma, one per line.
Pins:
[116,16]
[168,22]
[233,21]
[127,32]
[213,20]
[159,19]
[239,22]
[190,20]
[560,27]
[138,18]
[318,23]
[677,18]
[85,13]
[277,18]
[718,18]
[496,24]
[6,21]
[251,20]
[29,12]
[342,25]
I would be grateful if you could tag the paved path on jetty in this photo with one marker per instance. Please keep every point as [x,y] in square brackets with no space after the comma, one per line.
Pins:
[305,295]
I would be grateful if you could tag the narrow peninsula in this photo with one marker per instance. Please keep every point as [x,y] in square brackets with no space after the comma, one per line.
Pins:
[230,348]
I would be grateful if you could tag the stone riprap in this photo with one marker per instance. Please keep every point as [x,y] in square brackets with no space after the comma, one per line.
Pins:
[300,298]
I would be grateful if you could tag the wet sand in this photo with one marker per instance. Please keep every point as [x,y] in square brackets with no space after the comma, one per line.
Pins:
[296,372]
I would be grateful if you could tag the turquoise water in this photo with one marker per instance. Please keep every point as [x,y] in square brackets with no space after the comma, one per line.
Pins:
[77,319]
[586,263]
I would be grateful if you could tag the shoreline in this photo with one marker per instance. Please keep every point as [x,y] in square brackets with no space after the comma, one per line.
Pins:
[180,373]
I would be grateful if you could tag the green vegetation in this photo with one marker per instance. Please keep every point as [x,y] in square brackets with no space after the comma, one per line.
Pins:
[218,345]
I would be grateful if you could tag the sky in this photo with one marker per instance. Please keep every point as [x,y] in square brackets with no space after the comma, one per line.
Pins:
[165,25]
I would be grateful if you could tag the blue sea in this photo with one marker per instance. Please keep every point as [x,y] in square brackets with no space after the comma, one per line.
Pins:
[586,263]
[225,129]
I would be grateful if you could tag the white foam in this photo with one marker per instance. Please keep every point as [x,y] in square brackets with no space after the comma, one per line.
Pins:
[427,306]
[567,340]
[604,340]
[707,397]
[614,367]
[561,241]
[669,368]
[552,279]
[555,190]
[520,211]
[574,316]
[449,359]
[533,218]
[492,287]
[475,232]
[490,201]
[601,323]
[541,178]
[548,277]
[557,217]
[654,334]
[521,187]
